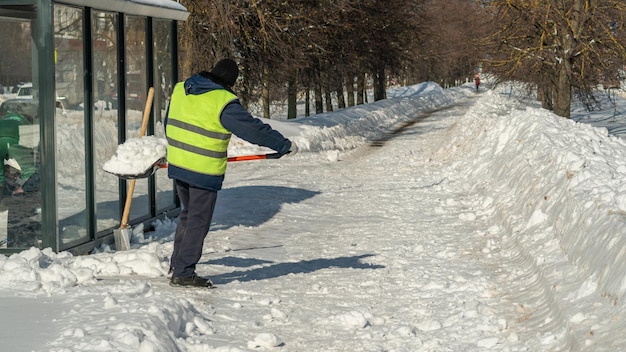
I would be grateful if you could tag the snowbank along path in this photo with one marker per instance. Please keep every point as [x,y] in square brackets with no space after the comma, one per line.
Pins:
[552,194]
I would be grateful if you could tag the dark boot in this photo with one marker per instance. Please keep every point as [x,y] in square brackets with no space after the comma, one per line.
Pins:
[193,281]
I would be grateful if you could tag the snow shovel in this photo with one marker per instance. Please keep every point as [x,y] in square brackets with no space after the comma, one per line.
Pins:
[122,235]
[162,164]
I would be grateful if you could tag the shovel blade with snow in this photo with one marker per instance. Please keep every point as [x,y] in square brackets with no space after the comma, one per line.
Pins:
[162,163]
[159,164]
[122,235]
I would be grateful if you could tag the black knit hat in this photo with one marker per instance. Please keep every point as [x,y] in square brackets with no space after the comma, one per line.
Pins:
[226,71]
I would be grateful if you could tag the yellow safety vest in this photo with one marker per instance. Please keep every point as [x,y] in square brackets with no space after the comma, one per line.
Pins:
[197,141]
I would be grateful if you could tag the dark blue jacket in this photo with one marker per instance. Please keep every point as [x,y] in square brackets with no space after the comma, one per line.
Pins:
[237,120]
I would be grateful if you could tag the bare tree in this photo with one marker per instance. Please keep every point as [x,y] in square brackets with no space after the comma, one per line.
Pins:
[561,47]
[207,35]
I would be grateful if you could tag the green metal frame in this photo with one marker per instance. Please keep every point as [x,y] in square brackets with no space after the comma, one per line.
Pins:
[46,80]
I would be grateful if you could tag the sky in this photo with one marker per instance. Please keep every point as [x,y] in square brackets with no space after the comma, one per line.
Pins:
[435,220]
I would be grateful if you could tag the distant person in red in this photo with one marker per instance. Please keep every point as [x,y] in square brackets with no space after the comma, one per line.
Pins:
[477,80]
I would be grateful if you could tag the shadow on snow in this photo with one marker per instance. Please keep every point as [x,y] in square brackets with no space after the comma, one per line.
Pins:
[283,269]
[253,205]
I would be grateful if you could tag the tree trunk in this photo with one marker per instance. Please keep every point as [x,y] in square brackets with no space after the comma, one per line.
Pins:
[265,93]
[245,92]
[350,89]
[563,96]
[379,85]
[360,89]
[307,102]
[319,103]
[545,96]
[328,99]
[341,100]
[292,101]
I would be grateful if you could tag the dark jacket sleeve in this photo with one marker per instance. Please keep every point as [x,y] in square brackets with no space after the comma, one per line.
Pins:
[245,126]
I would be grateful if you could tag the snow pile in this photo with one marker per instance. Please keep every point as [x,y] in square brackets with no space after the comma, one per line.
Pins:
[564,181]
[44,270]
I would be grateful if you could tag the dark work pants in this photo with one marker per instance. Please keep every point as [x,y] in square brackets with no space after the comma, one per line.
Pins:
[193,225]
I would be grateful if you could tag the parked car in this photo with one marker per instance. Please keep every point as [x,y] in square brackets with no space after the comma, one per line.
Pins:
[25,91]
[23,110]
[16,87]
[27,109]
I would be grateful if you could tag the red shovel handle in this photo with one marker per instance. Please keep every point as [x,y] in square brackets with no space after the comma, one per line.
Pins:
[254,157]
[242,158]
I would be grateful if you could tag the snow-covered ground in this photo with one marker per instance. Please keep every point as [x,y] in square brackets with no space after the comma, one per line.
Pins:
[488,224]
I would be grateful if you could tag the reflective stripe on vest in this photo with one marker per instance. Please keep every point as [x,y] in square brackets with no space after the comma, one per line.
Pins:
[197,141]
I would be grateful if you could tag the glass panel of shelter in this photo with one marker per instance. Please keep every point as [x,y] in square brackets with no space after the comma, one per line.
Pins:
[20,199]
[70,128]
[136,92]
[105,27]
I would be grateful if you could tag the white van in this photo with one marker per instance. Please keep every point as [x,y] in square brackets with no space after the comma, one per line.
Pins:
[25,91]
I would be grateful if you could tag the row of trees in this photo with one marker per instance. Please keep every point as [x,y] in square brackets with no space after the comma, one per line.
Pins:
[334,48]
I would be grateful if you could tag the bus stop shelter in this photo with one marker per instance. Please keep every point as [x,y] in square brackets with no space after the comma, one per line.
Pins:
[82,69]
